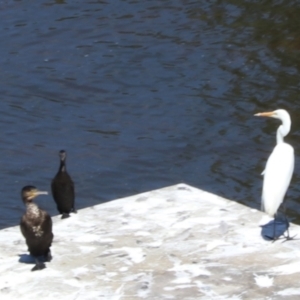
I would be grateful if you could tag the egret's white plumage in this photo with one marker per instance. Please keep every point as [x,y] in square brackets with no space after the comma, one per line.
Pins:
[280,165]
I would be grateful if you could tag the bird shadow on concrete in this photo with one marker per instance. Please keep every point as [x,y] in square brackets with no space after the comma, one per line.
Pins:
[29,259]
[26,259]
[269,233]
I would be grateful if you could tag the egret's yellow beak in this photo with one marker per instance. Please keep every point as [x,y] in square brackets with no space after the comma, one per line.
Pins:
[265,114]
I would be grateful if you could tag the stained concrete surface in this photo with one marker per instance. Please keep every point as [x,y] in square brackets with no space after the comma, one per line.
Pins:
[177,242]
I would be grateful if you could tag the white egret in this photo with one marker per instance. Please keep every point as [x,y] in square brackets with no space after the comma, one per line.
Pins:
[279,168]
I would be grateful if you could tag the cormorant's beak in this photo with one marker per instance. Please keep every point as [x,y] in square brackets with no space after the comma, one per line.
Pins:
[37,192]
[265,114]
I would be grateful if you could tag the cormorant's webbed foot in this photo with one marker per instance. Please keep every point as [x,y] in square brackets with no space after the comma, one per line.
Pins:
[65,216]
[38,265]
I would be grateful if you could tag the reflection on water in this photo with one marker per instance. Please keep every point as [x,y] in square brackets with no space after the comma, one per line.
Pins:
[144,94]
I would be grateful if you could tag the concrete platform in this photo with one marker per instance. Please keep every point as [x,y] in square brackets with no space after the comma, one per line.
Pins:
[178,242]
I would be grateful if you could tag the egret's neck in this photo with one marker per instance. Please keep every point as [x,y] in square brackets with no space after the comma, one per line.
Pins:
[283,130]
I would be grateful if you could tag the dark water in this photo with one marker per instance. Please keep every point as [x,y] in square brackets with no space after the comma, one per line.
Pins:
[145,94]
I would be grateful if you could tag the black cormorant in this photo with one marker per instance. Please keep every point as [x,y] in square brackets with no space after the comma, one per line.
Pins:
[62,187]
[36,226]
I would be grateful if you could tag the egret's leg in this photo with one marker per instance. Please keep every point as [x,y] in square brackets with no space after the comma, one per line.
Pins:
[287,222]
[275,237]
[287,237]
[274,229]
